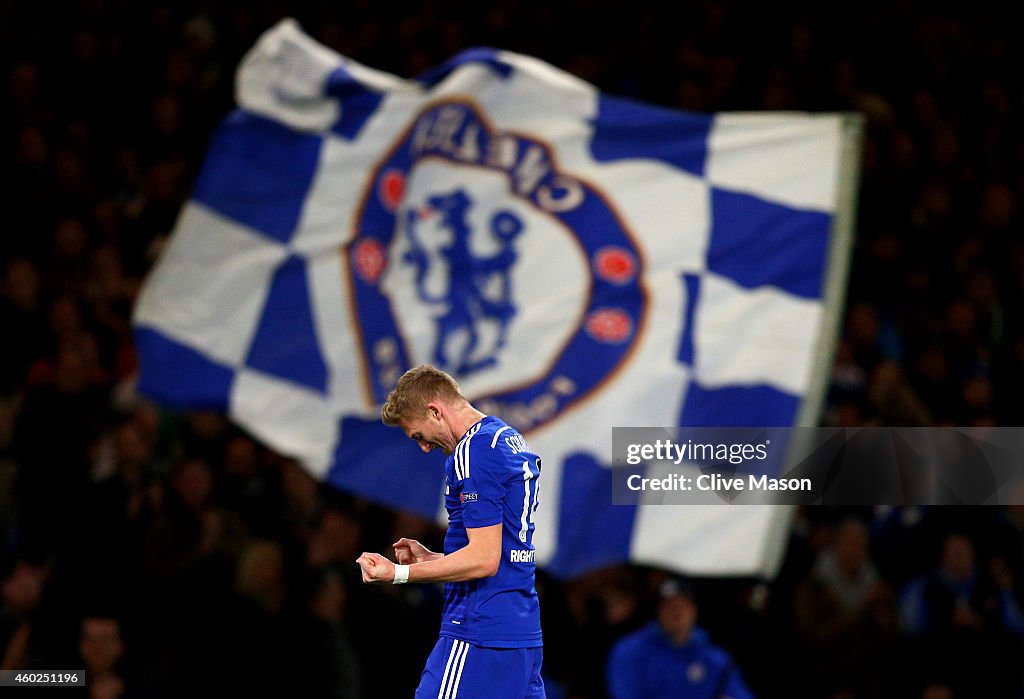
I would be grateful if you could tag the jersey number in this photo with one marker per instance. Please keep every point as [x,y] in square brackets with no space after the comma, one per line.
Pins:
[531,491]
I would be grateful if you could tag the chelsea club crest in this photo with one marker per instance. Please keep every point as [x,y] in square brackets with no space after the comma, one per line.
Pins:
[476,254]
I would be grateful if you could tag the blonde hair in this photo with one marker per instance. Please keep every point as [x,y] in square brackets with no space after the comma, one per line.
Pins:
[415,389]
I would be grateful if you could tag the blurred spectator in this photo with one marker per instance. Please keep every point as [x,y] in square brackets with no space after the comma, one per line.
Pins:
[863,336]
[203,434]
[904,540]
[1008,535]
[21,317]
[846,619]
[122,503]
[257,642]
[931,378]
[303,503]
[672,656]
[961,339]
[108,686]
[55,428]
[336,541]
[177,532]
[67,268]
[21,591]
[1009,366]
[249,486]
[604,606]
[848,378]
[325,664]
[966,623]
[893,400]
[150,217]
[845,570]
[102,650]
[937,691]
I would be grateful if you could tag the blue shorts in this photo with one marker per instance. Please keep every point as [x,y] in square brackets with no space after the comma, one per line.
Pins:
[458,670]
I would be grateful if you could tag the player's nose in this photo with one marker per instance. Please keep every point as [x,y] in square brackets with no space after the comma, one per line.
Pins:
[426,447]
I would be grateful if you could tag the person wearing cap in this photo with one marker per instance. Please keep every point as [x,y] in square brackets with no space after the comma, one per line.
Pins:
[672,657]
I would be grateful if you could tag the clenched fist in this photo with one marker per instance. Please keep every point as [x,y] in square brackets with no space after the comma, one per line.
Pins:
[375,568]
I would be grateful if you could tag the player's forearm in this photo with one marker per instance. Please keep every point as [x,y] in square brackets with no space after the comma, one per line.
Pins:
[459,566]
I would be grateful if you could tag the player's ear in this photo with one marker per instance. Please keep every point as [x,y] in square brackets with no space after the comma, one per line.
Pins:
[433,410]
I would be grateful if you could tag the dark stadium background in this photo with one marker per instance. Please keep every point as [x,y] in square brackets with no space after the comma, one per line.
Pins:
[227,571]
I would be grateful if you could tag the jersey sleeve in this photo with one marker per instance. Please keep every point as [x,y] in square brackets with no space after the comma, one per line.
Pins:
[481,468]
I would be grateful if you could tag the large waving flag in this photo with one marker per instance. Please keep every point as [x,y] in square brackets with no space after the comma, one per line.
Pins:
[578,261]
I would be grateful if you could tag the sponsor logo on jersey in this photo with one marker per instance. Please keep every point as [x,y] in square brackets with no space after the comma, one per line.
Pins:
[522,556]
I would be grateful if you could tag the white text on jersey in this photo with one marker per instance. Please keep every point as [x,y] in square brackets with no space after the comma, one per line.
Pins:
[521,556]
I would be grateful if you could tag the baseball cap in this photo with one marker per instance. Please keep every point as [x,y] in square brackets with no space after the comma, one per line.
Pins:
[676,586]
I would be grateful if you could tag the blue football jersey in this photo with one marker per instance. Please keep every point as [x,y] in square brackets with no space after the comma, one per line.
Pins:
[492,478]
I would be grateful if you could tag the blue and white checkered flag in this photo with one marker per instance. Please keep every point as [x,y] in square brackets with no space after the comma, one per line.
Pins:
[578,261]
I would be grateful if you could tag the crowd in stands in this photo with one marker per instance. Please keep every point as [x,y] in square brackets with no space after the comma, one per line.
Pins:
[172,554]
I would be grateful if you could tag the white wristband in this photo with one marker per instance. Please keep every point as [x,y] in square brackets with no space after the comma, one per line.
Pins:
[401,574]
